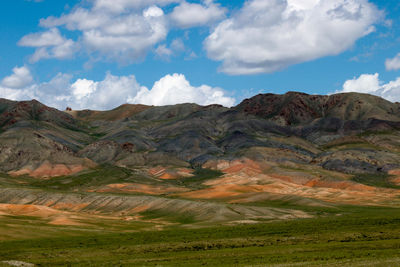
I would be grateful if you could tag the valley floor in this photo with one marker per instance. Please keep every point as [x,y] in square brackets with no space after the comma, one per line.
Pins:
[354,236]
[244,215]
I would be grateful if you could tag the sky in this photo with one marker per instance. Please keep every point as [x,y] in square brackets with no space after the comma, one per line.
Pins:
[99,54]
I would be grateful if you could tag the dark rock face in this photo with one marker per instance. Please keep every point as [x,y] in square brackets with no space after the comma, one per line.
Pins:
[350,166]
[179,135]
[299,108]
[293,107]
[13,112]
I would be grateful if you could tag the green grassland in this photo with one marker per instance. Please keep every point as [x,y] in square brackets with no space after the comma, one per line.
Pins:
[354,236]
[336,236]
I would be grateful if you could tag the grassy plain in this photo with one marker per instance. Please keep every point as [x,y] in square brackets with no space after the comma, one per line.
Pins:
[352,236]
[335,236]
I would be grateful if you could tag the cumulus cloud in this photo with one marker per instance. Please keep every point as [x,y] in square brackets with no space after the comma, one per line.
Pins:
[21,77]
[51,37]
[266,36]
[119,6]
[110,92]
[174,89]
[371,84]
[125,37]
[188,15]
[49,44]
[165,52]
[393,63]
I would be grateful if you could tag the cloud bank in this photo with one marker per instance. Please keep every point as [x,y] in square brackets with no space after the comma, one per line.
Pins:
[371,84]
[109,93]
[119,30]
[261,37]
[266,36]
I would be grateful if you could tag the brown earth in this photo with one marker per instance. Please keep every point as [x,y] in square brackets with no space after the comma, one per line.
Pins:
[140,188]
[396,173]
[52,215]
[47,170]
[245,176]
[166,173]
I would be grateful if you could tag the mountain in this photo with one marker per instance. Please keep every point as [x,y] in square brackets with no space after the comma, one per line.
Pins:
[314,126]
[298,108]
[311,150]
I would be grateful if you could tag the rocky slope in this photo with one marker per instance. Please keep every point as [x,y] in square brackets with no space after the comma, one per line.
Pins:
[350,133]
[304,149]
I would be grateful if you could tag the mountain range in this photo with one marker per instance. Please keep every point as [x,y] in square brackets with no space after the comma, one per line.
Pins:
[295,148]
[349,133]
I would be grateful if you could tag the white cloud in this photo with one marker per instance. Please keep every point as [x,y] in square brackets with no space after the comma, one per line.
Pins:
[366,83]
[79,19]
[191,14]
[51,37]
[371,84]
[120,6]
[163,51]
[49,44]
[16,94]
[174,89]
[21,77]
[177,45]
[266,36]
[109,93]
[83,88]
[393,63]
[119,30]
[124,37]
[63,51]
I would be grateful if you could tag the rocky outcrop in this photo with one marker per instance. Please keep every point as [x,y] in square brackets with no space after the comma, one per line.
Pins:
[294,127]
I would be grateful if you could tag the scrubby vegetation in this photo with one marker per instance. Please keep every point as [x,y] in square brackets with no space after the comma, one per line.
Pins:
[378,180]
[359,236]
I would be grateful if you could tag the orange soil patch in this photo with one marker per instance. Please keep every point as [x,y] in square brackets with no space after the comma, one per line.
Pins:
[395,172]
[223,191]
[140,208]
[245,177]
[140,188]
[117,186]
[238,183]
[63,220]
[339,185]
[157,171]
[396,179]
[28,210]
[282,177]
[184,170]
[49,170]
[56,217]
[168,176]
[245,165]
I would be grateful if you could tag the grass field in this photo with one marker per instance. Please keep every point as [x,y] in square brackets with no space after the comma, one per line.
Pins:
[336,235]
[353,237]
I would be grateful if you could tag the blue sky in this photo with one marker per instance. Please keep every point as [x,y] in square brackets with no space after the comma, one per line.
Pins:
[90,54]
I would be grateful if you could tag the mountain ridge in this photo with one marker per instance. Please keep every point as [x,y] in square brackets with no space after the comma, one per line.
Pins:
[301,150]
[192,133]
[306,140]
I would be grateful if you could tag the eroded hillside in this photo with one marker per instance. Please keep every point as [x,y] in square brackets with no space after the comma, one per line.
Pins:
[265,159]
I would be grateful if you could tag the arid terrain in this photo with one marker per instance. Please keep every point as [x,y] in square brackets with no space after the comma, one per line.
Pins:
[270,159]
